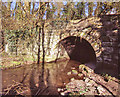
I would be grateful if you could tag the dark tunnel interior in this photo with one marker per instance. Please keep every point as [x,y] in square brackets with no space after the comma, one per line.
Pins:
[79,50]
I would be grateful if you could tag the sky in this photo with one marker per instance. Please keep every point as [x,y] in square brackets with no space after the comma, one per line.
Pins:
[64,2]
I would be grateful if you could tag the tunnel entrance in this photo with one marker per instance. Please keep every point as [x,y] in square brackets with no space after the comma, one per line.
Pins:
[79,50]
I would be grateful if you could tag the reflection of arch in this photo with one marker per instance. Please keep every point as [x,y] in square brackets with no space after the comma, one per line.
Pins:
[79,49]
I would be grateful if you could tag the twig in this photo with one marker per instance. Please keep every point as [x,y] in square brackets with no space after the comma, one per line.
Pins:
[41,91]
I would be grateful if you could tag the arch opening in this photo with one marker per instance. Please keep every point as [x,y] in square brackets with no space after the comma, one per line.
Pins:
[80,50]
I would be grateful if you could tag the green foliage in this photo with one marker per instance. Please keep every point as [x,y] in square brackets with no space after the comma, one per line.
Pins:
[15,62]
[0,66]
[80,10]
[12,64]
[108,77]
[90,8]
[74,71]
[72,79]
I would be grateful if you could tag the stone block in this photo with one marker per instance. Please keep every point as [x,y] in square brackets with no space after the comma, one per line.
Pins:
[99,59]
[105,39]
[107,58]
[107,44]
[108,50]
[113,38]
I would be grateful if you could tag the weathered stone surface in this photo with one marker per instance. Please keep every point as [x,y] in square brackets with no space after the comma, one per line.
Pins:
[108,49]
[102,91]
[105,39]
[109,44]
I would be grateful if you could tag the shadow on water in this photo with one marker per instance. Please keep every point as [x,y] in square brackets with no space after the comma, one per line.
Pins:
[55,76]
[43,86]
[107,68]
[32,83]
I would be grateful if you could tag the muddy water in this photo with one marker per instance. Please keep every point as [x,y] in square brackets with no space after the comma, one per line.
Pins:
[55,75]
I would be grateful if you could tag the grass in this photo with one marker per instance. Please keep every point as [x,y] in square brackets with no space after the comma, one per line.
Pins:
[11,64]
[14,61]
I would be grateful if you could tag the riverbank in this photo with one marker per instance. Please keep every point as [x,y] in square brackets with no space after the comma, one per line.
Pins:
[91,84]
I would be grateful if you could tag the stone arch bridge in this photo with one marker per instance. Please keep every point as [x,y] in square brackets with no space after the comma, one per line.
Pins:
[92,40]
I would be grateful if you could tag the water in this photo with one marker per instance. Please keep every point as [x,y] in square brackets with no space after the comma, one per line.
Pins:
[54,76]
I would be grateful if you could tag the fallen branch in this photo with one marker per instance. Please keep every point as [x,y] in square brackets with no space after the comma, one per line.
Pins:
[100,80]
[15,87]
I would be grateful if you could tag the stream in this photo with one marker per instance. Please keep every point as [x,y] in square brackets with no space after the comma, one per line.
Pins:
[55,76]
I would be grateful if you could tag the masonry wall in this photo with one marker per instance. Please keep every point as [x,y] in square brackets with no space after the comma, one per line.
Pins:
[110,42]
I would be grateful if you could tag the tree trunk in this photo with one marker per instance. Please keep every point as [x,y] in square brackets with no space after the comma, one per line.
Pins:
[90,8]
[43,48]
[38,60]
[16,47]
[48,44]
[2,41]
[58,50]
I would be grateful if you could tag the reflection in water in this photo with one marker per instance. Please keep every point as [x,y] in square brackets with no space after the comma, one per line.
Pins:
[55,76]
